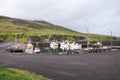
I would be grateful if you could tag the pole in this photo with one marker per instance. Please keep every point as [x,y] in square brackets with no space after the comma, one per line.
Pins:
[111,39]
[87,36]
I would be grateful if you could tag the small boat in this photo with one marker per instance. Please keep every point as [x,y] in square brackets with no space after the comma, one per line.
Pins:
[37,50]
[18,47]
[29,48]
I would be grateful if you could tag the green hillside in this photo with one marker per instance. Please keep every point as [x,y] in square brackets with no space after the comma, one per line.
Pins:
[12,26]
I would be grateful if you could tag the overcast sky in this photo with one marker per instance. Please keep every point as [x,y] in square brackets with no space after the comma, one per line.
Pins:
[99,16]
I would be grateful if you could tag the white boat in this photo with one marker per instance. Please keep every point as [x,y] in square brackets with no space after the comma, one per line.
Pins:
[29,49]
[37,50]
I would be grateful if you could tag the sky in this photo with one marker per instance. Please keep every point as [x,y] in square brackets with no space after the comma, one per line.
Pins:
[98,16]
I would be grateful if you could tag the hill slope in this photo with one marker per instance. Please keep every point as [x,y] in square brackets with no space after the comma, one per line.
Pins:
[14,25]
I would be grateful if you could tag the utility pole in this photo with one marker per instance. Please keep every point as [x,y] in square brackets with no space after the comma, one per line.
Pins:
[111,39]
[87,36]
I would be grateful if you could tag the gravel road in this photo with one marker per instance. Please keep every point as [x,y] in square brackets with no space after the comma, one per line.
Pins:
[97,66]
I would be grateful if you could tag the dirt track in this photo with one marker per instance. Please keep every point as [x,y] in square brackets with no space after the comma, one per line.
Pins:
[100,66]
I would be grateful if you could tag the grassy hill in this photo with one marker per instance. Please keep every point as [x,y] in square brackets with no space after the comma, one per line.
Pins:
[11,26]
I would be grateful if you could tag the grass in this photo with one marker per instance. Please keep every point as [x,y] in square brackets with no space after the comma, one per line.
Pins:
[17,74]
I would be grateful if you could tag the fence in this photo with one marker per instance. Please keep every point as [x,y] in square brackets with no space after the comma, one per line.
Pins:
[108,43]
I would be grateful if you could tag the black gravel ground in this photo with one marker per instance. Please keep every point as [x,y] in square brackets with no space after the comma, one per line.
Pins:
[97,66]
